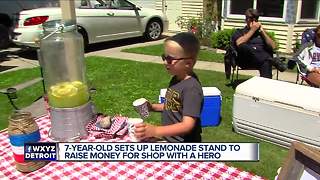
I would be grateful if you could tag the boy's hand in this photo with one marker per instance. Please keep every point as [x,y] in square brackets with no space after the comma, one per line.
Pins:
[149,106]
[144,130]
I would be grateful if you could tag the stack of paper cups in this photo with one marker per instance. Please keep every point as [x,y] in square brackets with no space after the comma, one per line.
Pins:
[131,128]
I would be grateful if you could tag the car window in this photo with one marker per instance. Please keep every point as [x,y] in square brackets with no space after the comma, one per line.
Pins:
[112,4]
[82,4]
[121,4]
[100,4]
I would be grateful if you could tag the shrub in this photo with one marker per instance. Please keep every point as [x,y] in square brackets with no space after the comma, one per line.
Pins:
[187,22]
[221,39]
[201,27]
[297,45]
[272,35]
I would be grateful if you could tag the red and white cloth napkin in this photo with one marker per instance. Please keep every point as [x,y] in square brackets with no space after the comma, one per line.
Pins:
[118,127]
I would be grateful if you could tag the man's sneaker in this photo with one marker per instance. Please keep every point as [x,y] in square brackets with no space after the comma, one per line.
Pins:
[278,64]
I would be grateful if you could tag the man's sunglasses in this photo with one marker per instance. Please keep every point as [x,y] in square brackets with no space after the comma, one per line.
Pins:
[169,58]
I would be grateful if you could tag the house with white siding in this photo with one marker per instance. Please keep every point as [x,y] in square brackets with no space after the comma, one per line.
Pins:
[287,18]
[174,9]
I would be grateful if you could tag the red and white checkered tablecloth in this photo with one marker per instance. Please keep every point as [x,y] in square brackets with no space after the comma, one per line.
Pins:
[114,170]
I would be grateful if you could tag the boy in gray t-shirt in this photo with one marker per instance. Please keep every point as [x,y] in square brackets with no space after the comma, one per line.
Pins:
[184,96]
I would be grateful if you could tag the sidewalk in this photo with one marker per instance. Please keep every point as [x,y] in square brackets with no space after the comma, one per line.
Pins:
[21,63]
[10,61]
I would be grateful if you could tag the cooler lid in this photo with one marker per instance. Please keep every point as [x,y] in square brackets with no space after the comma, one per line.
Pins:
[207,91]
[287,93]
[163,92]
[211,91]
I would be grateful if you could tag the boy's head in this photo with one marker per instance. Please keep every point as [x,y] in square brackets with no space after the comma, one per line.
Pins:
[180,52]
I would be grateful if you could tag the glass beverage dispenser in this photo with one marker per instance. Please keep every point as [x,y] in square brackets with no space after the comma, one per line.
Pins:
[62,54]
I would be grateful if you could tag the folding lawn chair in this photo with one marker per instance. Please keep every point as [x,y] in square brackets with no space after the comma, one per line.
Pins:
[307,39]
[231,62]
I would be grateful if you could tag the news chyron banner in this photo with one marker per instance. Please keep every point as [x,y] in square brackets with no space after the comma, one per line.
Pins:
[141,151]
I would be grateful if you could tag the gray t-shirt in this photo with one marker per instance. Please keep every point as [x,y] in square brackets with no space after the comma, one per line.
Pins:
[183,98]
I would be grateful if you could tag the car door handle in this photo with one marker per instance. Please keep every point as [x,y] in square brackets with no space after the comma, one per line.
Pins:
[110,14]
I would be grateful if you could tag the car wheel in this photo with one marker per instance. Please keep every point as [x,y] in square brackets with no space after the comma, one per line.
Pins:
[84,36]
[153,30]
[4,37]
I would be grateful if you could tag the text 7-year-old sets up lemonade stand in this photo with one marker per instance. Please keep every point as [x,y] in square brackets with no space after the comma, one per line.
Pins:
[62,54]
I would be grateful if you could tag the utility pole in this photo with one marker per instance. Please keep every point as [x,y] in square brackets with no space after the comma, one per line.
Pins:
[69,14]
[68,10]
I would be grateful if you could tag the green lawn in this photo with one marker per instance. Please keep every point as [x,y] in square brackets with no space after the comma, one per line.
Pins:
[157,50]
[119,82]
[204,55]
[25,96]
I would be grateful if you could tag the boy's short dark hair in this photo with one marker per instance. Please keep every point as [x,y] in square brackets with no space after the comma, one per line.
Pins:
[253,13]
[188,41]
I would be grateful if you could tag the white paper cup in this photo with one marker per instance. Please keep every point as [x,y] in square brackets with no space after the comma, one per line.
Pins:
[141,106]
[131,123]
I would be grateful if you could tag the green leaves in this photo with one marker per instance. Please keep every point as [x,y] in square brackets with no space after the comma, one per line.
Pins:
[221,39]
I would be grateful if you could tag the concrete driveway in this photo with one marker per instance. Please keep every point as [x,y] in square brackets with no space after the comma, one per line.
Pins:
[15,58]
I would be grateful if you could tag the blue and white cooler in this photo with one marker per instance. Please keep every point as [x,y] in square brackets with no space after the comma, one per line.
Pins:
[210,114]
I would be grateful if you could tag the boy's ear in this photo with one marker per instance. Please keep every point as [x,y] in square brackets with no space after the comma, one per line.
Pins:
[190,63]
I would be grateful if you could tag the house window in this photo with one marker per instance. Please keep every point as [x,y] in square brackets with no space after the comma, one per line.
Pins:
[240,6]
[267,8]
[309,9]
[272,8]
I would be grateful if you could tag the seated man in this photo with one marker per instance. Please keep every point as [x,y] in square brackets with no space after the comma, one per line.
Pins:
[309,59]
[255,47]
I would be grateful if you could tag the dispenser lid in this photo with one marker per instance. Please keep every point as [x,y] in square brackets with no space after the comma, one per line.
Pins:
[59,26]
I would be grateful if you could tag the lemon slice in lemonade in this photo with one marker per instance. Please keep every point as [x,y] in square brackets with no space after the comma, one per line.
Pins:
[64,90]
[68,94]
[77,84]
[67,90]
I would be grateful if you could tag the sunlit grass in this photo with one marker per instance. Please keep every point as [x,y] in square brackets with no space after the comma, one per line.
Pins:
[157,50]
[120,82]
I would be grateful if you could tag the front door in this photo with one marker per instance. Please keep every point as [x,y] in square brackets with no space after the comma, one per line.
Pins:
[173,9]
